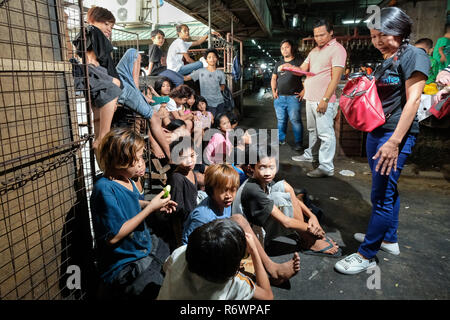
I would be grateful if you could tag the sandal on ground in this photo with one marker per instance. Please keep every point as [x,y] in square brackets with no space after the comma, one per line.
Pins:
[322,252]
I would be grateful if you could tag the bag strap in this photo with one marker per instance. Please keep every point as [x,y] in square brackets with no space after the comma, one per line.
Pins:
[394,62]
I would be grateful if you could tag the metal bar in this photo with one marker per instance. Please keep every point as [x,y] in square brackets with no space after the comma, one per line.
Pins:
[209,24]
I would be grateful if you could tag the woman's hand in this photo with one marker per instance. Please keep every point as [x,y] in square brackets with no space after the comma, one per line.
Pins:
[441,94]
[388,155]
[443,77]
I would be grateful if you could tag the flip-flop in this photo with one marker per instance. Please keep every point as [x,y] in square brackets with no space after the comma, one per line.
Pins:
[322,253]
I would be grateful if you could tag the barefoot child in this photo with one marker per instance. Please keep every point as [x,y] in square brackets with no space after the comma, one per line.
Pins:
[104,83]
[275,208]
[129,256]
[208,267]
[221,182]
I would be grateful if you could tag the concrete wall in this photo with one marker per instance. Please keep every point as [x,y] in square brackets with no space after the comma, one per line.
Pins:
[429,17]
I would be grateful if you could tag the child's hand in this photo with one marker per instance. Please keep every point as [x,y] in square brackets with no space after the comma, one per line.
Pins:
[315,228]
[170,207]
[153,91]
[158,202]
[251,246]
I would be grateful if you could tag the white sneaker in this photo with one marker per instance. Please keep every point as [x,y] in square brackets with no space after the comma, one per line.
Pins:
[391,248]
[354,264]
[203,60]
[302,158]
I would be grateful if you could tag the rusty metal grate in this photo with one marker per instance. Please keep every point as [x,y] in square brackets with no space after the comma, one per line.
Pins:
[46,165]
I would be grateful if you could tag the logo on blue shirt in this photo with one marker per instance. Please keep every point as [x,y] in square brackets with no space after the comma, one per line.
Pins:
[389,81]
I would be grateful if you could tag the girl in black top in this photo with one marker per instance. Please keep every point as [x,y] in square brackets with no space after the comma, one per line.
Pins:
[388,146]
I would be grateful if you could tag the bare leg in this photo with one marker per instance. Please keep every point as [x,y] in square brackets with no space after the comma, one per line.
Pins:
[136,70]
[156,149]
[308,240]
[278,271]
[102,121]
[189,125]
[198,135]
[158,134]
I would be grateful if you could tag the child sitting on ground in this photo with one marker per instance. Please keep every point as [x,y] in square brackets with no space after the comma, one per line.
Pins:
[221,184]
[275,208]
[208,267]
[212,82]
[129,256]
[183,182]
[219,147]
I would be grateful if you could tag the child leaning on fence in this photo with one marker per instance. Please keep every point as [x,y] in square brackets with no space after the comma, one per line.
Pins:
[130,258]
[104,83]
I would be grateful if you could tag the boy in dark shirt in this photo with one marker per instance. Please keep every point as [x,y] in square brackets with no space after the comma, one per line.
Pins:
[275,208]
[155,55]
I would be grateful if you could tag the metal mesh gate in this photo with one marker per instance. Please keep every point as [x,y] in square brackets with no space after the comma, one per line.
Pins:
[45,158]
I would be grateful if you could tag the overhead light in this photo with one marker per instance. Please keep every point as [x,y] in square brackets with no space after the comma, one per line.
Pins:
[295,20]
[263,66]
[253,40]
[353,21]
[259,47]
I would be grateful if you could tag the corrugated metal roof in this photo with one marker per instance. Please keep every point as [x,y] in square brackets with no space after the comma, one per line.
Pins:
[196,29]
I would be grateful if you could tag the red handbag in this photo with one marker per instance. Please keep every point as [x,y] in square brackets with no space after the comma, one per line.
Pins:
[360,103]
[441,108]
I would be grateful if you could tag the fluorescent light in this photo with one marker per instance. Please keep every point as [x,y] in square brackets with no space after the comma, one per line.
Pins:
[353,21]
[263,66]
[253,40]
[295,20]
[259,47]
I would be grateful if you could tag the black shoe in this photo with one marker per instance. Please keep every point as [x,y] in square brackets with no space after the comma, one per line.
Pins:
[298,147]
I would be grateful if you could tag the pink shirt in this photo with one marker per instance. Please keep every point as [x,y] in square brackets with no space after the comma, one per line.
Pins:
[204,120]
[217,147]
[320,61]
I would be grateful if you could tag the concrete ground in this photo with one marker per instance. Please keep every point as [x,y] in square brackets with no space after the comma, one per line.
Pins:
[421,271]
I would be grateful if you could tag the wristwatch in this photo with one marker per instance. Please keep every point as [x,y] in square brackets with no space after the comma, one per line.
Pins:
[325,99]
